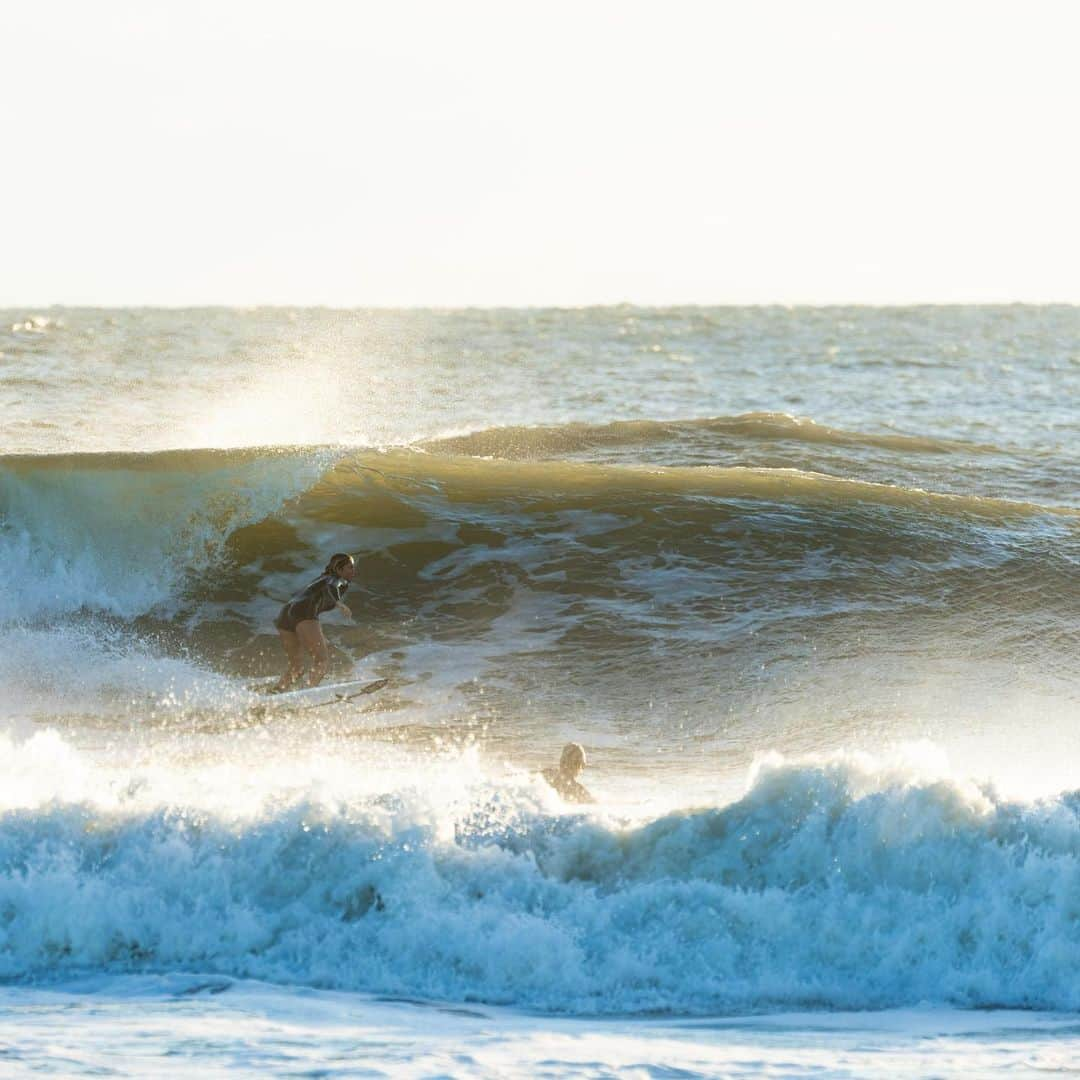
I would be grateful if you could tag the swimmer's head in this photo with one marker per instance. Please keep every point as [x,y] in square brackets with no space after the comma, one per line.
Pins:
[572,760]
[341,565]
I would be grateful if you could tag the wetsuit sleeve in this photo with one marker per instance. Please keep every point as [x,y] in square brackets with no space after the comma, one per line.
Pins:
[335,589]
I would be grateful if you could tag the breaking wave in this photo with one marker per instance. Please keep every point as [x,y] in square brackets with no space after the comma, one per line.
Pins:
[129,534]
[621,571]
[844,882]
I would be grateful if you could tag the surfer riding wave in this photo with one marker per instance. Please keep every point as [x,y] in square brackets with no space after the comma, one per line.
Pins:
[298,621]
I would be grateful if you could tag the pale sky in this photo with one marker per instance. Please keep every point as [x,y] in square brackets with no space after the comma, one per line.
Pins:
[471,152]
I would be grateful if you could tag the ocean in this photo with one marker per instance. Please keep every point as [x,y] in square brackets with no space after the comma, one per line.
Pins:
[804,582]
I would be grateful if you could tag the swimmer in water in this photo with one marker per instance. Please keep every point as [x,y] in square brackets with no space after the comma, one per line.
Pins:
[564,778]
[298,621]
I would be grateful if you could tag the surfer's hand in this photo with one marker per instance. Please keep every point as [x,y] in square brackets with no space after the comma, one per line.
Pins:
[345,610]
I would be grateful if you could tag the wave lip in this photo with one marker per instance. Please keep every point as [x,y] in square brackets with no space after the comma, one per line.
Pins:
[122,533]
[841,883]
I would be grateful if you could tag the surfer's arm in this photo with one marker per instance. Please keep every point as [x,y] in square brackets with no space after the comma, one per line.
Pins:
[333,601]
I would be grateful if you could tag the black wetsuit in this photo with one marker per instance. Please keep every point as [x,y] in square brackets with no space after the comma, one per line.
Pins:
[323,594]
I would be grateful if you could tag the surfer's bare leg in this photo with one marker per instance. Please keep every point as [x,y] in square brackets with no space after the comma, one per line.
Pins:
[295,652]
[310,633]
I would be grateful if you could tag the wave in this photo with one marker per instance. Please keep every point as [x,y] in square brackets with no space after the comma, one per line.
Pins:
[200,534]
[769,440]
[613,485]
[845,882]
[575,438]
[145,569]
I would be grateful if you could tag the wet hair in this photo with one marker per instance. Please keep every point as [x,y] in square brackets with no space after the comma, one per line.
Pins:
[573,758]
[337,562]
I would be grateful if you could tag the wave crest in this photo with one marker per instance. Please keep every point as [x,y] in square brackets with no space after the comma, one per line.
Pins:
[724,432]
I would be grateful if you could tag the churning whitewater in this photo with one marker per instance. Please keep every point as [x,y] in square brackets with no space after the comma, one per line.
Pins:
[847,883]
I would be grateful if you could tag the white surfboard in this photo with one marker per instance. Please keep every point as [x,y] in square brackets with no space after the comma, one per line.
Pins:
[315,697]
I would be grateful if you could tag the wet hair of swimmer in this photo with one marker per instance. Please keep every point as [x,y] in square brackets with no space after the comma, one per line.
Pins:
[572,760]
[337,562]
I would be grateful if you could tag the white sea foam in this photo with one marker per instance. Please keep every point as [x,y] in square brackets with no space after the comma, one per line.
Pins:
[166,1025]
[847,882]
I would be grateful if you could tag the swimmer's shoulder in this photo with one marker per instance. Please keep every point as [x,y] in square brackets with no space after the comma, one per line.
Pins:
[569,789]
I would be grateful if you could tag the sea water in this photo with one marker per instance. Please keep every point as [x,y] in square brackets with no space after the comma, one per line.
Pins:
[802,581]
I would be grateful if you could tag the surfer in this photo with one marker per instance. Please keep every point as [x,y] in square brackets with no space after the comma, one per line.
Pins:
[564,778]
[298,621]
